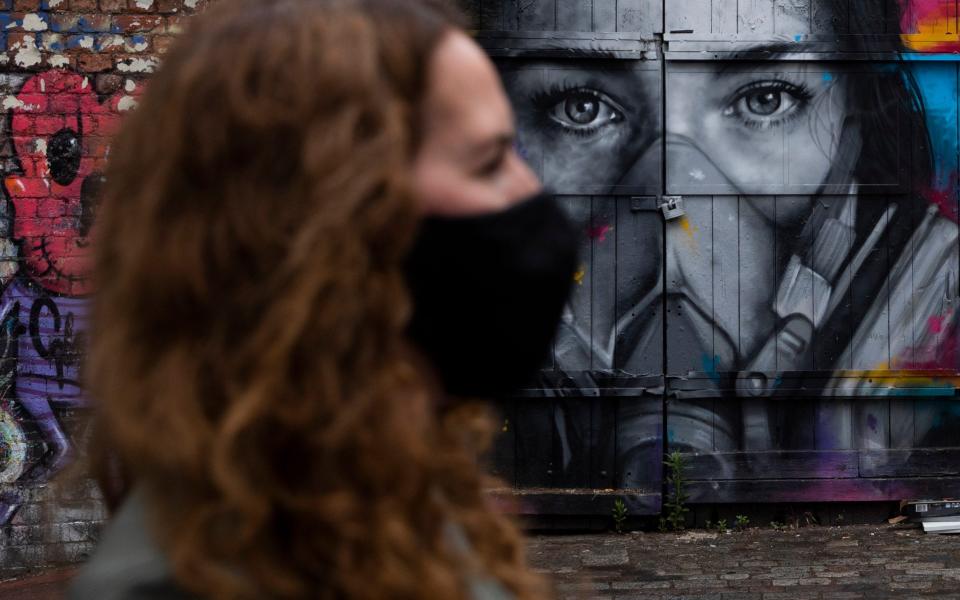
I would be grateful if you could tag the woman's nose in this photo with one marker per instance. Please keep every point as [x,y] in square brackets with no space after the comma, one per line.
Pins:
[689,169]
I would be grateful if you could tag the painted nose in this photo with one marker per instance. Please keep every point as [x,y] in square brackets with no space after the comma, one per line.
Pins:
[688,168]
[89,198]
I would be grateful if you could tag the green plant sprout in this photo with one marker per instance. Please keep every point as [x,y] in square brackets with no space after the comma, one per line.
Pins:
[620,515]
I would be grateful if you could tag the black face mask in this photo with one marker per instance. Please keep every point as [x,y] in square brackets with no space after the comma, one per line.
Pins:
[488,292]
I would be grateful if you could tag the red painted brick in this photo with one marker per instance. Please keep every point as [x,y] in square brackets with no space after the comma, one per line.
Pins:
[26,5]
[168,6]
[108,83]
[84,5]
[162,43]
[21,39]
[64,22]
[95,23]
[94,63]
[138,23]
[142,6]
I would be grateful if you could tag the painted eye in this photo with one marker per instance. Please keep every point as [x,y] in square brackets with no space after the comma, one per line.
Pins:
[584,111]
[767,104]
[63,156]
[764,103]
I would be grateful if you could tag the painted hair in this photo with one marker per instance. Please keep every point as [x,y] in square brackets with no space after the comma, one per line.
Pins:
[248,356]
[895,141]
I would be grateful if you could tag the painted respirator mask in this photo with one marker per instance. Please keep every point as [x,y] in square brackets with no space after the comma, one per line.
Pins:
[488,291]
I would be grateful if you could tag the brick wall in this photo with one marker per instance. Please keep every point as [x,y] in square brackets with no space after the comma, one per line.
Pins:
[69,70]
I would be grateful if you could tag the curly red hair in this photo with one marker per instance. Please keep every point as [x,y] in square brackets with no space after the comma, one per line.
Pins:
[249,358]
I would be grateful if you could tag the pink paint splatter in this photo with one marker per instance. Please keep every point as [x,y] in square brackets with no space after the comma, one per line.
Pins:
[599,232]
[935,324]
[946,354]
[944,195]
[928,25]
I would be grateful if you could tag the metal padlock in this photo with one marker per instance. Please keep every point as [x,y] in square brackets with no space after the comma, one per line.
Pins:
[672,207]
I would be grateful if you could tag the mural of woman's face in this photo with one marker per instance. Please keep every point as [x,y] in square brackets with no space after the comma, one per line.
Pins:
[594,126]
[736,128]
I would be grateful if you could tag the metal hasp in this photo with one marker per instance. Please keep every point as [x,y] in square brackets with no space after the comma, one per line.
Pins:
[672,207]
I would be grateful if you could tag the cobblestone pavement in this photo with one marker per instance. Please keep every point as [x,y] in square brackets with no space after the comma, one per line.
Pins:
[868,562]
[50,585]
[815,563]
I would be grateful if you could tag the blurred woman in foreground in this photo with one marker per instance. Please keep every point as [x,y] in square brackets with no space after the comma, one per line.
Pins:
[314,225]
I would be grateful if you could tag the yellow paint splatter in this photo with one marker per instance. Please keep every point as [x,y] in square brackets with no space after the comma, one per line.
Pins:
[579,275]
[685,223]
[691,230]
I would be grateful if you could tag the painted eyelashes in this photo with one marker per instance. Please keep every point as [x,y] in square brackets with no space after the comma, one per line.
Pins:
[759,105]
[763,105]
[579,110]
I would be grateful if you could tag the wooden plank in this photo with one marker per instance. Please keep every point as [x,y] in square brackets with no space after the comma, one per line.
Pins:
[726,283]
[511,15]
[757,277]
[834,424]
[723,17]
[830,18]
[603,280]
[891,18]
[872,423]
[795,424]
[870,344]
[503,452]
[577,501]
[644,17]
[868,18]
[901,423]
[688,16]
[491,15]
[793,17]
[535,431]
[639,238]
[572,442]
[755,17]
[830,247]
[605,15]
[918,462]
[691,426]
[537,15]
[572,354]
[822,490]
[639,443]
[928,416]
[574,15]
[900,289]
[727,425]
[773,465]
[603,443]
[689,248]
[788,247]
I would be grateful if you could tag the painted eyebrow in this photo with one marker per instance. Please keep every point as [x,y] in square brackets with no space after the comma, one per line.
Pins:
[762,53]
[561,52]
[772,51]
